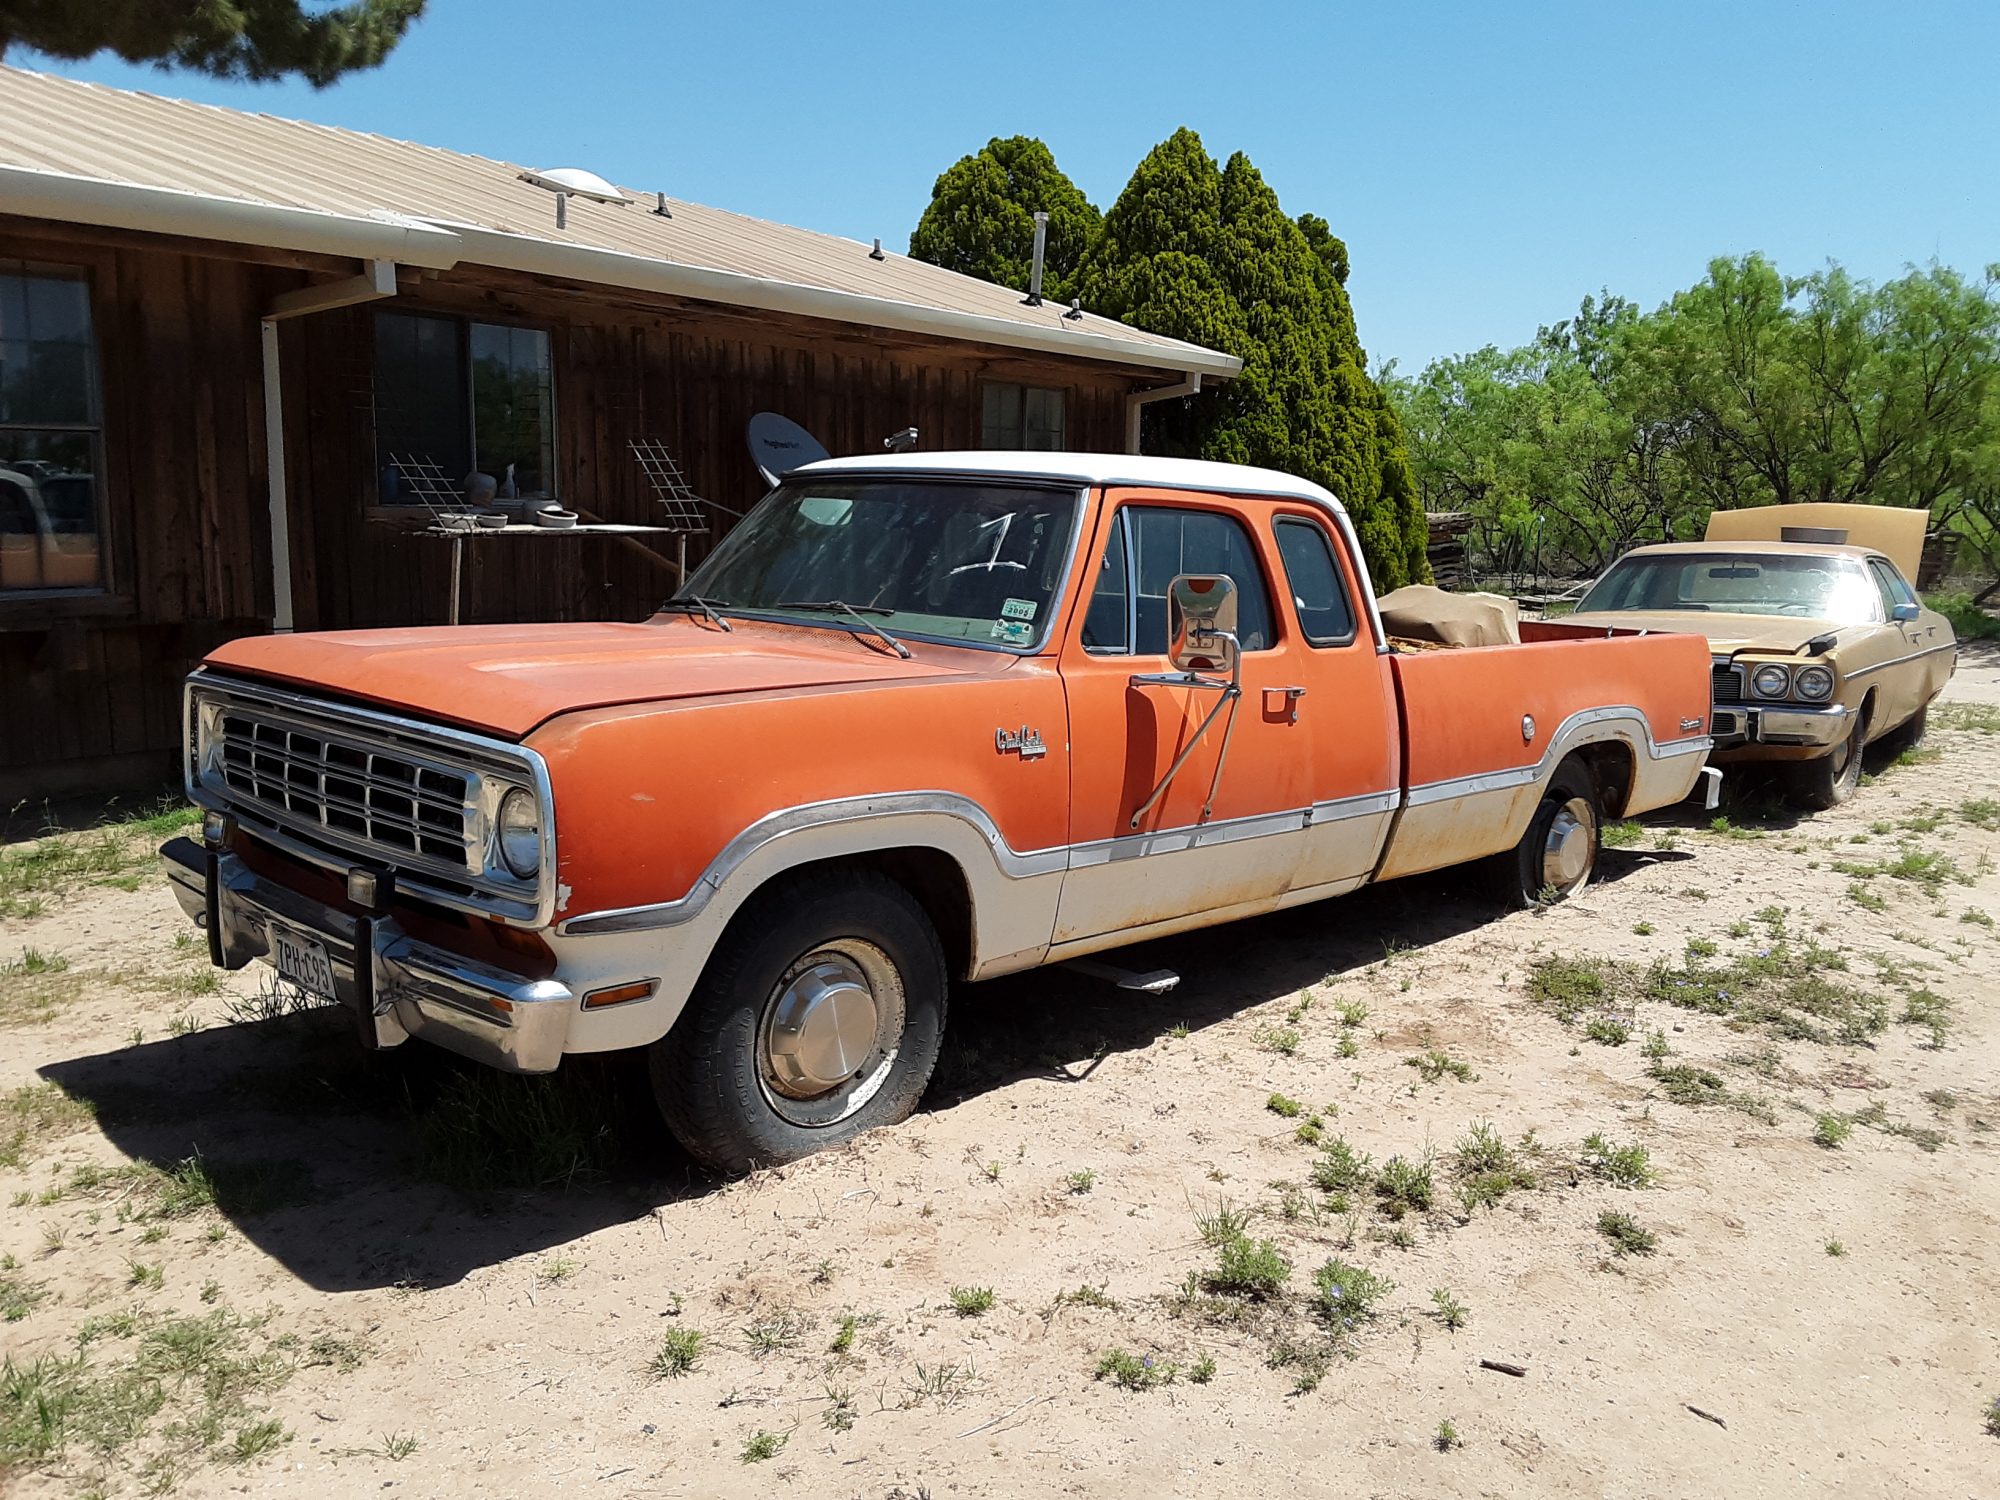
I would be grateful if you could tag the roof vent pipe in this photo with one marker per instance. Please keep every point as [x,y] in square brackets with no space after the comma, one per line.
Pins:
[876,253]
[660,206]
[1034,297]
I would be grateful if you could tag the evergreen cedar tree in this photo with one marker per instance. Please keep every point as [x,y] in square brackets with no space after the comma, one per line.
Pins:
[243,39]
[1205,253]
[981,219]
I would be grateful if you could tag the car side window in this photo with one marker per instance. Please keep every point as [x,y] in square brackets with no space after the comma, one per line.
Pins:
[1147,548]
[1319,593]
[1894,590]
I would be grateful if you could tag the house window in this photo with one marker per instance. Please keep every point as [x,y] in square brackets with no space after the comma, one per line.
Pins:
[1021,416]
[50,431]
[473,397]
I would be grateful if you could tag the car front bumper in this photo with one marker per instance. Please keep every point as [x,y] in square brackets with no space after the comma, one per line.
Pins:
[1735,725]
[396,986]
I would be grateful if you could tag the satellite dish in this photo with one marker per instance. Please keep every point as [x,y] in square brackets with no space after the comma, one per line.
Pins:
[779,445]
[568,182]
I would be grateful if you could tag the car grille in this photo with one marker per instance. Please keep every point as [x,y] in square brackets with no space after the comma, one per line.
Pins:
[397,802]
[1726,683]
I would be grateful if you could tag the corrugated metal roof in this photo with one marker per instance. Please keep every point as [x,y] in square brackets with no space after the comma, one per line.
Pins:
[223,159]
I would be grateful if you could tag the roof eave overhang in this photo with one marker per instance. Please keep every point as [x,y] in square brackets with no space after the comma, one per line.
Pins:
[441,244]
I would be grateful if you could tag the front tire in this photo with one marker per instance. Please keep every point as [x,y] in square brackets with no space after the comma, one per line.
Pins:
[1557,856]
[819,1017]
[1828,780]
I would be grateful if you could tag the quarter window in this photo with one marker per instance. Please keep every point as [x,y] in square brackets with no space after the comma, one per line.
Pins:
[473,397]
[1021,416]
[50,431]
[1318,592]
[1147,548]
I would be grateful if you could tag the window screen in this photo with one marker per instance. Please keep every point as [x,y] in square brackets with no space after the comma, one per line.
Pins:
[50,434]
[471,396]
[1022,416]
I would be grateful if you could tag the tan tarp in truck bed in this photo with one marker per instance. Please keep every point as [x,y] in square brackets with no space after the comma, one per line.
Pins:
[1896,532]
[1423,613]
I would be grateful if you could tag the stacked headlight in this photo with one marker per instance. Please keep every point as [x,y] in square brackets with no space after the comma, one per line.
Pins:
[1770,681]
[1815,684]
[518,831]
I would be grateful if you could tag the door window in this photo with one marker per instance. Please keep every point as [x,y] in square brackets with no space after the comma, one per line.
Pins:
[1894,590]
[1319,594]
[1147,548]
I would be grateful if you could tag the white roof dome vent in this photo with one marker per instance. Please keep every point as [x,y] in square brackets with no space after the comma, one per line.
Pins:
[566,182]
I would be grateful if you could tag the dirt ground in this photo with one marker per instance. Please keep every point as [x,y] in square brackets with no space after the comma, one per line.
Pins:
[237,1261]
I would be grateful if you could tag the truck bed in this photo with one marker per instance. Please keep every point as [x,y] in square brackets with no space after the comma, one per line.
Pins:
[1482,727]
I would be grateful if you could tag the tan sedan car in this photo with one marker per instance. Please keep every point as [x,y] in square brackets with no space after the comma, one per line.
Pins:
[1819,648]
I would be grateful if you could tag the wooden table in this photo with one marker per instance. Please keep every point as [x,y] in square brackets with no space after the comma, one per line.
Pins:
[459,538]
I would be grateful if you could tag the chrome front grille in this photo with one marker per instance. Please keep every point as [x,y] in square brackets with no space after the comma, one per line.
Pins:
[341,785]
[393,800]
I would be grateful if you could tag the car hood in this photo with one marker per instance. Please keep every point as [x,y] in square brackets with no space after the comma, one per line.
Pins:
[1727,634]
[507,679]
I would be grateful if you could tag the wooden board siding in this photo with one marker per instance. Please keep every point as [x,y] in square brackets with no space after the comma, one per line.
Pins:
[90,686]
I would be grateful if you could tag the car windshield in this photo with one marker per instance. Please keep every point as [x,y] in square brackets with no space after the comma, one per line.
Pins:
[978,564]
[1836,589]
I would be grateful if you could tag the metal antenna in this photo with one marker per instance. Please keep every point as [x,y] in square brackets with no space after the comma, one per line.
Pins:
[686,512]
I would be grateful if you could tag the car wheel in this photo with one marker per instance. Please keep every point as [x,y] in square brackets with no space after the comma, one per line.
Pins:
[1829,780]
[1557,856]
[819,1016]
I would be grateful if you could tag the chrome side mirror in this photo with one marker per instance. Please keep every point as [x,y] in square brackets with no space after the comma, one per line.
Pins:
[1902,614]
[1201,623]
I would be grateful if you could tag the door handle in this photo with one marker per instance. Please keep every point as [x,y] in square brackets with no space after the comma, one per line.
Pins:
[1289,706]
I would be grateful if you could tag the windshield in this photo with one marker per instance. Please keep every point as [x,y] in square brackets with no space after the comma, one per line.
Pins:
[977,564]
[1816,588]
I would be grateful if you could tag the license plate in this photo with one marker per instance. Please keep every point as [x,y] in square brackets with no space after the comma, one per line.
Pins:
[304,963]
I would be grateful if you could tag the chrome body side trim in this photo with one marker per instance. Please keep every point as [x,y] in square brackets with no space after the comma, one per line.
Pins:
[1951,645]
[1568,736]
[793,820]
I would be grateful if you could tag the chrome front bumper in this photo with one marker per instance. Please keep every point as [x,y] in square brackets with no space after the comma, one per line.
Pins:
[397,986]
[1746,724]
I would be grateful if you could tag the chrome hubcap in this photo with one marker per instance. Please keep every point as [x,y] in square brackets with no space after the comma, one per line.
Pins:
[1568,850]
[830,1032]
[822,1028]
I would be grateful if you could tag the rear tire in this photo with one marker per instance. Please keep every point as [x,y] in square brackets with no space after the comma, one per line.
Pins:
[1558,854]
[1828,780]
[819,1017]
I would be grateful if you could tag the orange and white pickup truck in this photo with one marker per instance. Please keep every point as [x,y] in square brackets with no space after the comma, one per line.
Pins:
[918,719]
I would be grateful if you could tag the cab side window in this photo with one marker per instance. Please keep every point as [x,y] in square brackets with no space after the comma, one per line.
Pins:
[1148,546]
[1319,594]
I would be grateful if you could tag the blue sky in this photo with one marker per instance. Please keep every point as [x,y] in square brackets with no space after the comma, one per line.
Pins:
[1488,164]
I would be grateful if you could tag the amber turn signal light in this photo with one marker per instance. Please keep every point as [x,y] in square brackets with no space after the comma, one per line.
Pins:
[619,994]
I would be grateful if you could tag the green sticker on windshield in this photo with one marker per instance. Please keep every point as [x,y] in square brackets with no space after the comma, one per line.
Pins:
[1018,609]
[1013,632]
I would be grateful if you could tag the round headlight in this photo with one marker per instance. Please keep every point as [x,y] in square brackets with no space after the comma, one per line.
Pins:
[1771,681]
[1815,683]
[520,825]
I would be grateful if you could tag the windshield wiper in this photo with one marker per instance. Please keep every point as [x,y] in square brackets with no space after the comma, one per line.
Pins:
[691,602]
[859,612]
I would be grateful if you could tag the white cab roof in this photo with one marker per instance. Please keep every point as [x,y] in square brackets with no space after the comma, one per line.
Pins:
[1087,468]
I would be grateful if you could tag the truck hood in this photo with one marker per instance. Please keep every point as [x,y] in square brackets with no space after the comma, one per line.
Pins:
[1727,634]
[506,679]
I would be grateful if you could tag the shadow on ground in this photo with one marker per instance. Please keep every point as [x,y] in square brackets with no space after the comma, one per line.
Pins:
[408,1167]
